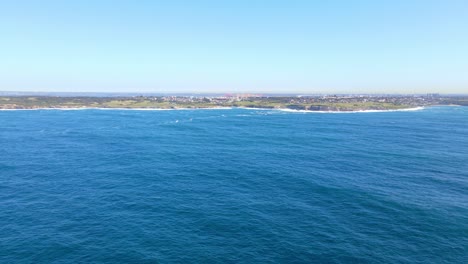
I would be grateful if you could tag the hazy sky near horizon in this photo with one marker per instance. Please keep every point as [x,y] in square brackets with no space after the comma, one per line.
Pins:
[294,46]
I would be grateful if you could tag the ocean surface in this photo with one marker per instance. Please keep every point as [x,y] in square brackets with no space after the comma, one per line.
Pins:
[234,186]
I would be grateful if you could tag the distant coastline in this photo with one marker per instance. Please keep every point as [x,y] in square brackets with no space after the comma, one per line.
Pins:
[215,108]
[287,103]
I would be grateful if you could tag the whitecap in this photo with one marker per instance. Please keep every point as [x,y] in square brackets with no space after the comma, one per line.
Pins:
[351,112]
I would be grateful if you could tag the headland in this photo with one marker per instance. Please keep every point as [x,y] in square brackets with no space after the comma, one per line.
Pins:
[311,103]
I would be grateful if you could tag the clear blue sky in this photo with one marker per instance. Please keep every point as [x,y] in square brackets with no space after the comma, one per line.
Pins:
[406,46]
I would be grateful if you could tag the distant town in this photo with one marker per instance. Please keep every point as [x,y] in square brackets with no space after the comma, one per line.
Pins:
[296,102]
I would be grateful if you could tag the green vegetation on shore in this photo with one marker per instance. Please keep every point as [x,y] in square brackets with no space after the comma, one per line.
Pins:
[324,103]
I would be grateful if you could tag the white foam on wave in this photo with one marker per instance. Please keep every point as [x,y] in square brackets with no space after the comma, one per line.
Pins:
[255,108]
[132,109]
[164,109]
[220,108]
[351,112]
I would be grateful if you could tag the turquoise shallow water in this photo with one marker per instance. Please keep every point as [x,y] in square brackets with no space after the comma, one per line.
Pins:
[233,186]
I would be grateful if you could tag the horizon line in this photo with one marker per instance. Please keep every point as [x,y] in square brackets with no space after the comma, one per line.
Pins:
[2,93]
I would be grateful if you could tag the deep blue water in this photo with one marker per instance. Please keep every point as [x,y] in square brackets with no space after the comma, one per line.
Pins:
[234,186]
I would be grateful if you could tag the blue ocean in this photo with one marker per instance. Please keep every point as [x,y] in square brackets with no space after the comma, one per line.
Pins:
[234,186]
